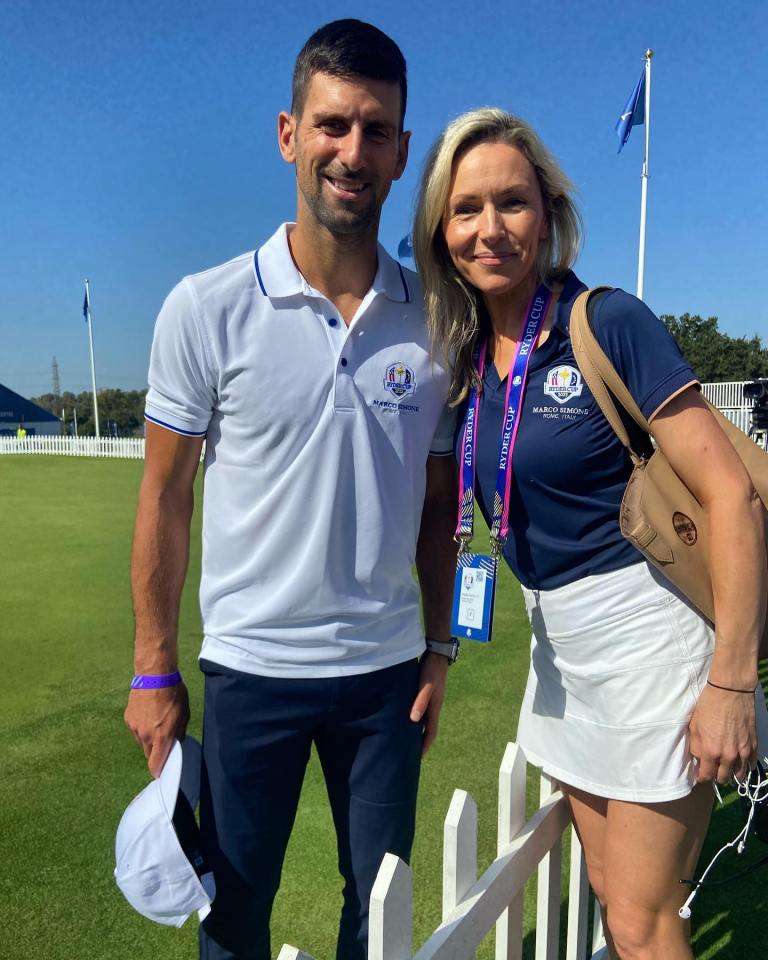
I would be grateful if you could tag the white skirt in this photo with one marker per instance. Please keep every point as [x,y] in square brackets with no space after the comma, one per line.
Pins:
[617,665]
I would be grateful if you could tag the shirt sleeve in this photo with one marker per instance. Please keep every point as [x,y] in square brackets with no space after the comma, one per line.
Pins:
[182,379]
[445,433]
[641,348]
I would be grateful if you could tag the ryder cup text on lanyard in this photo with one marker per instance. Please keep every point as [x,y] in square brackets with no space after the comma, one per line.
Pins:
[534,321]
[474,588]
[475,584]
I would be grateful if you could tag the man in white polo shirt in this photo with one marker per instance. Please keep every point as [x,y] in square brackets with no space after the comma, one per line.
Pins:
[306,367]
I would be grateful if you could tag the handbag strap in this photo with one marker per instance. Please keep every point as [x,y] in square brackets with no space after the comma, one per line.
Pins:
[600,374]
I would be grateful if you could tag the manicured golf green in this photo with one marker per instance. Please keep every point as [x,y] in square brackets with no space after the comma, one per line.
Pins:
[69,767]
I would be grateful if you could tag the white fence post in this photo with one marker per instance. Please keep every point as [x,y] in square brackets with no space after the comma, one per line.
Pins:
[390,918]
[599,947]
[291,953]
[459,850]
[578,903]
[509,927]
[548,891]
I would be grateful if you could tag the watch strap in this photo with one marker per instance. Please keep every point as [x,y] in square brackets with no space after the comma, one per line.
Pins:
[445,648]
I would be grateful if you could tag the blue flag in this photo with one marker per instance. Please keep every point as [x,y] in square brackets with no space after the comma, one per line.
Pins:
[633,114]
[86,305]
[405,248]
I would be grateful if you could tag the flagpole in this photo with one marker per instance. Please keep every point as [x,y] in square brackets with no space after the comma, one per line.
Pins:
[93,364]
[644,176]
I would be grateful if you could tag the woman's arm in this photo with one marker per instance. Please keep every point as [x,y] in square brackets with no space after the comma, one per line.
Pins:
[723,724]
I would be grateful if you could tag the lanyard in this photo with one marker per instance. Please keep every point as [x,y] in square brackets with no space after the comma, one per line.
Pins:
[518,373]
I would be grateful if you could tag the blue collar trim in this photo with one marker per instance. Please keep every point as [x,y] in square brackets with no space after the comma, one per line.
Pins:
[406,291]
[258,272]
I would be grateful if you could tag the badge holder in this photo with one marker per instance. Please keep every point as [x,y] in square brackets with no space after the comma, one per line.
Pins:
[474,592]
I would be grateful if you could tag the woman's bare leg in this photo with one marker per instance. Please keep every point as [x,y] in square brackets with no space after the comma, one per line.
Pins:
[636,854]
[588,814]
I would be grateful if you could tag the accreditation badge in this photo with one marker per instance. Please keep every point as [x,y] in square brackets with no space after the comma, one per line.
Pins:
[473,595]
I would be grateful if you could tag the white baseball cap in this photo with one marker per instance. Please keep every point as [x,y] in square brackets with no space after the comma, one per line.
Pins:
[160,867]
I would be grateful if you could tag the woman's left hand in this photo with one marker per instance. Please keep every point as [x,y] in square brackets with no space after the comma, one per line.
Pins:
[722,728]
[723,737]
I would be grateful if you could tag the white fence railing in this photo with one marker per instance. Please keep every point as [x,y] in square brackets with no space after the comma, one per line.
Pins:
[729,400]
[726,394]
[472,906]
[131,448]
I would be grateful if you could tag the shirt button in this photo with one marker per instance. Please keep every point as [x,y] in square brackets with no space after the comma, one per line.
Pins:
[332,322]
[343,361]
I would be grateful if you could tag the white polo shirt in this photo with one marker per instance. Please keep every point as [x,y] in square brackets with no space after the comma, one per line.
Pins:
[317,437]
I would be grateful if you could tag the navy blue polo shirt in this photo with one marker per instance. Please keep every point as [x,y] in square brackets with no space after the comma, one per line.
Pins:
[569,470]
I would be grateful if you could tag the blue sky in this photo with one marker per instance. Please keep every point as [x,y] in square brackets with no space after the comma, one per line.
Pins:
[139,145]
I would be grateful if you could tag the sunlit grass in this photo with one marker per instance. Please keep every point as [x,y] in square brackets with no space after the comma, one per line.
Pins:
[70,768]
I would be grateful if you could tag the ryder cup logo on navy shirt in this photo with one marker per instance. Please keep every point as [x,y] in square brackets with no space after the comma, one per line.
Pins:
[562,383]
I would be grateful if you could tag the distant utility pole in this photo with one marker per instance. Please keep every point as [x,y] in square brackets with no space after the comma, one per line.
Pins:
[55,378]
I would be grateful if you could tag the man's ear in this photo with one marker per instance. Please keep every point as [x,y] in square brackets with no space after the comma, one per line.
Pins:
[286,134]
[402,160]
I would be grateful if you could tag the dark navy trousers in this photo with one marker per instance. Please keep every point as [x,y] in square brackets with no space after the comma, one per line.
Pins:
[257,736]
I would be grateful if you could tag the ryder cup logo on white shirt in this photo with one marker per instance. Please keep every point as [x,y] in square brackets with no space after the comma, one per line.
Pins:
[399,379]
[562,383]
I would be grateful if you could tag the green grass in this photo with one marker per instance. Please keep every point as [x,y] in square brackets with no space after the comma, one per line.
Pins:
[69,767]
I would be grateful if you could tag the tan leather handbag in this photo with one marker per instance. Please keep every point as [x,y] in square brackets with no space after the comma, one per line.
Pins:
[659,514]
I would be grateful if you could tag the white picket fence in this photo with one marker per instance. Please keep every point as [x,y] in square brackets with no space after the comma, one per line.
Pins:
[131,448]
[472,906]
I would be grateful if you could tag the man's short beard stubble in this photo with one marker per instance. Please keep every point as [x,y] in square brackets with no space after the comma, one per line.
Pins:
[337,219]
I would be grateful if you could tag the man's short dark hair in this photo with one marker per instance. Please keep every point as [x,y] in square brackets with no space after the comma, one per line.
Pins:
[347,49]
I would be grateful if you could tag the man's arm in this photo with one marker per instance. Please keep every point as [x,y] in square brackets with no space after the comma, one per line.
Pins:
[158,569]
[436,567]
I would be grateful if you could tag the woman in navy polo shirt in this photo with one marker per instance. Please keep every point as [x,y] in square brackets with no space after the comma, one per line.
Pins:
[632,701]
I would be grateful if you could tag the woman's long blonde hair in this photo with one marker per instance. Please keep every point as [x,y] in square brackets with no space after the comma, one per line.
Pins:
[456,314]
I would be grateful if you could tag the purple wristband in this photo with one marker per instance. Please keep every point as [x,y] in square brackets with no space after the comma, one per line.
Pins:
[144,682]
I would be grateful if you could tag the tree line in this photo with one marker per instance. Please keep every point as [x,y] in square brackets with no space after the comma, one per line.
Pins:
[714,356]
[121,412]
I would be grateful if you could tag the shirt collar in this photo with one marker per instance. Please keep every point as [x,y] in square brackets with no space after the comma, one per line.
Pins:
[278,276]
[572,287]
[390,279]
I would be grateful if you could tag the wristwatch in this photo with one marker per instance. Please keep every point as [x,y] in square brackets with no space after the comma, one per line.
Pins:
[445,648]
